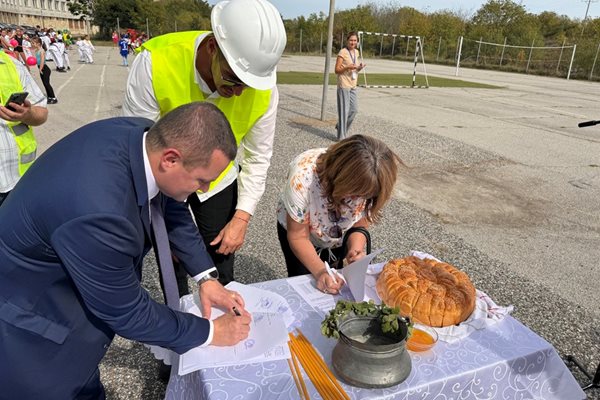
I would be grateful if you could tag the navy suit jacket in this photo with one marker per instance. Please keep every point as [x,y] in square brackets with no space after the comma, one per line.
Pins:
[73,235]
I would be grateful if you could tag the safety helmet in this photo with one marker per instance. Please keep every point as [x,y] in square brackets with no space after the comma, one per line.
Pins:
[251,36]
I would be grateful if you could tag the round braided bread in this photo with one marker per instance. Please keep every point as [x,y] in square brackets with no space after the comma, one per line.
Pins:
[429,292]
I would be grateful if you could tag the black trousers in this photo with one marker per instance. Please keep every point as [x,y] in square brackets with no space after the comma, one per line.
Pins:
[211,216]
[45,75]
[295,266]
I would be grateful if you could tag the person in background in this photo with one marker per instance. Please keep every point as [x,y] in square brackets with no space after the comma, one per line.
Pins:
[88,50]
[124,49]
[347,69]
[4,41]
[115,38]
[79,43]
[72,257]
[233,67]
[330,198]
[56,50]
[17,142]
[19,48]
[45,71]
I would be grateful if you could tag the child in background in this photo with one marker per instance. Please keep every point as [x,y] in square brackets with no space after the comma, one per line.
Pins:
[40,55]
[124,49]
[88,49]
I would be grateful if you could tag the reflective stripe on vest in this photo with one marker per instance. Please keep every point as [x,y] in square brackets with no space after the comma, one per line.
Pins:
[23,134]
[173,81]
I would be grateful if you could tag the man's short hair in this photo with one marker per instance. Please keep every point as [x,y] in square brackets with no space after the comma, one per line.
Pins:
[196,129]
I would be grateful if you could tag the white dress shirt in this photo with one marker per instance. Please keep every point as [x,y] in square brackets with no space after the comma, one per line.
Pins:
[256,148]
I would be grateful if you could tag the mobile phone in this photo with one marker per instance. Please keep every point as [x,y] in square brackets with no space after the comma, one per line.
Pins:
[17,98]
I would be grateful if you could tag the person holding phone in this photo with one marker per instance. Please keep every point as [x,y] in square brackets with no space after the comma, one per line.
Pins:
[17,142]
[347,68]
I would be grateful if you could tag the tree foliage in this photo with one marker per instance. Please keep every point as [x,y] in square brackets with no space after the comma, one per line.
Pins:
[157,16]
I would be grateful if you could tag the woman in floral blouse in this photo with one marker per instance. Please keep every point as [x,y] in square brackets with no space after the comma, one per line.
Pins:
[328,192]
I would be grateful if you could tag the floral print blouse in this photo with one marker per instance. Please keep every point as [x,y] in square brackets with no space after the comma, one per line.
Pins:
[301,198]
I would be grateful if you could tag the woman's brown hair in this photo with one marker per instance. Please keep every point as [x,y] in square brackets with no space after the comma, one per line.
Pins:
[358,166]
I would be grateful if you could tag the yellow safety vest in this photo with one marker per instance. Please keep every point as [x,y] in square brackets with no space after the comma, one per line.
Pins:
[11,83]
[173,81]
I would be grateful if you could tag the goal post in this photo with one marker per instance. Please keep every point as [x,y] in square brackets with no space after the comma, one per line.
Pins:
[418,51]
[517,58]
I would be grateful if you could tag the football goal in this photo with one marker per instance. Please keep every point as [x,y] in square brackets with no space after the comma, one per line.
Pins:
[418,51]
[549,60]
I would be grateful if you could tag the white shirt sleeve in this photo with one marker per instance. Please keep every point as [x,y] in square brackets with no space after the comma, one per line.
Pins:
[36,96]
[257,149]
[139,93]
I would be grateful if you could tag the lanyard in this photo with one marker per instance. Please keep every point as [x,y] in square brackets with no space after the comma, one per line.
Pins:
[352,58]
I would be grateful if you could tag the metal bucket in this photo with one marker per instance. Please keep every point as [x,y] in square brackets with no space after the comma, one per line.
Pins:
[366,357]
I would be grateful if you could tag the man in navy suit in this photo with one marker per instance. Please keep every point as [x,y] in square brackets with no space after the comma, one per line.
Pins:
[73,234]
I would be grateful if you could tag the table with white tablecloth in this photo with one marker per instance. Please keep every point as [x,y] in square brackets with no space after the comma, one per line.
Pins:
[505,361]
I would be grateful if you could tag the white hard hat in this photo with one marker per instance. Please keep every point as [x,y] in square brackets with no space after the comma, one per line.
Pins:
[251,36]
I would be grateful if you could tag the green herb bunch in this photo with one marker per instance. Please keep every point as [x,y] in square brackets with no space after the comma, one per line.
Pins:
[388,316]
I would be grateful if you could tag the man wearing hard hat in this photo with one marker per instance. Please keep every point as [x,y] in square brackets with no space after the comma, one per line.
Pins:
[234,66]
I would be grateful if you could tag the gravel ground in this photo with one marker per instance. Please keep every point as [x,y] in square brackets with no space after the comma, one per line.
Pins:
[130,372]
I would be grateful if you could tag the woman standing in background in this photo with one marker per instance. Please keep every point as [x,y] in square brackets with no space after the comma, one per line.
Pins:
[45,72]
[347,71]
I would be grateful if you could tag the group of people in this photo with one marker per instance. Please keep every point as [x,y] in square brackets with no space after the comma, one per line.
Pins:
[46,46]
[197,132]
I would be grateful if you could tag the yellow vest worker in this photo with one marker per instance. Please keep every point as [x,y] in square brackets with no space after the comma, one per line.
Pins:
[23,134]
[233,66]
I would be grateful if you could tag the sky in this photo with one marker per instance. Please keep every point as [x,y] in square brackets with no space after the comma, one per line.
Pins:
[575,9]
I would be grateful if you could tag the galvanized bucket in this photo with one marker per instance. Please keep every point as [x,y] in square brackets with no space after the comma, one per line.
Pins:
[366,357]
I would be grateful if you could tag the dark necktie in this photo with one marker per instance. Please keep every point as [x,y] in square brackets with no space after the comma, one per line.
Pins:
[163,252]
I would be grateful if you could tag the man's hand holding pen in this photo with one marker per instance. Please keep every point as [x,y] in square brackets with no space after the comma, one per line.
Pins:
[230,328]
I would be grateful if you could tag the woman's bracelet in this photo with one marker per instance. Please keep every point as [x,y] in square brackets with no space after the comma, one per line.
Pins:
[243,219]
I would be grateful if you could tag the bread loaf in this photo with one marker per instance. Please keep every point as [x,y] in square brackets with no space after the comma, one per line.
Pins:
[429,292]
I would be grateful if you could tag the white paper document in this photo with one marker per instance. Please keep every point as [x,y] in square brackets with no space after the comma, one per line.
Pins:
[306,287]
[260,300]
[355,274]
[267,339]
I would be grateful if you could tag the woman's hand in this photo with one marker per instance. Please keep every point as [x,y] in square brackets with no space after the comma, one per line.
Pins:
[355,255]
[327,284]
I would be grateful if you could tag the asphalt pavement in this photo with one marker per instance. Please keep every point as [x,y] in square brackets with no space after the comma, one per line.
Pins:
[499,182]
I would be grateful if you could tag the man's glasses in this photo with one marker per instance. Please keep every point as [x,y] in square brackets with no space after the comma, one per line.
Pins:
[232,81]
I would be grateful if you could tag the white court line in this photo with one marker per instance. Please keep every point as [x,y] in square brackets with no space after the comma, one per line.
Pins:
[98,99]
[68,80]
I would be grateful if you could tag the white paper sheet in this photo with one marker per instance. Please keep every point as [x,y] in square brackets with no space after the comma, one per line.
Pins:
[265,329]
[260,300]
[268,332]
[355,274]
[306,287]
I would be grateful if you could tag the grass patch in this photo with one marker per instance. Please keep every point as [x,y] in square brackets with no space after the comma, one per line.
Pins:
[316,78]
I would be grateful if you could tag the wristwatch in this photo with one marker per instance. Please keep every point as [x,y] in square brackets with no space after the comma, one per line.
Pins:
[211,276]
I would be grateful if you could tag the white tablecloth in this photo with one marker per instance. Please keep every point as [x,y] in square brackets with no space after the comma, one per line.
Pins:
[506,361]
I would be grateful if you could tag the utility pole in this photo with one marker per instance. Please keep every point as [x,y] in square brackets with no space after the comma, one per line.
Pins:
[587,9]
[327,58]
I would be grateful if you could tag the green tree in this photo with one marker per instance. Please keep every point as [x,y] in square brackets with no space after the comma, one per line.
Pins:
[106,13]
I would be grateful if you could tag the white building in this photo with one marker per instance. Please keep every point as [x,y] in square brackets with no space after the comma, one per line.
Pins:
[45,13]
